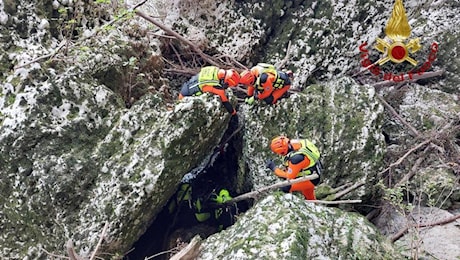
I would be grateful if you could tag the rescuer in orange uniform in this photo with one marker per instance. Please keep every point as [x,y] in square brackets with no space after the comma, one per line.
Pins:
[301,157]
[266,83]
[213,80]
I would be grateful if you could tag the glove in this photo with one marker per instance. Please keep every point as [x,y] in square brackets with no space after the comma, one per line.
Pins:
[249,100]
[270,165]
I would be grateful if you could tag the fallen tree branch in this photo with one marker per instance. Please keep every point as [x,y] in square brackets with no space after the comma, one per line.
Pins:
[71,251]
[185,71]
[104,231]
[335,190]
[189,252]
[347,190]
[411,173]
[437,223]
[175,249]
[402,158]
[393,111]
[329,202]
[54,256]
[254,194]
[179,37]
[286,58]
[415,77]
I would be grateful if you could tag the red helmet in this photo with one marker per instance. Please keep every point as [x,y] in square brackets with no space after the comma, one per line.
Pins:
[247,78]
[221,74]
[280,145]
[232,78]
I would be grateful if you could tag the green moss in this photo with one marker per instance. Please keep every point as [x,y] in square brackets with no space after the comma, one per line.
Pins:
[10,98]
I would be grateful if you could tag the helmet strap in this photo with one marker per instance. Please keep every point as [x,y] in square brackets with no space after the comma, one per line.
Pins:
[290,147]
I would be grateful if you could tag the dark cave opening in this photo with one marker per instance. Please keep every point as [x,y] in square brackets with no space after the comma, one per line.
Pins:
[171,229]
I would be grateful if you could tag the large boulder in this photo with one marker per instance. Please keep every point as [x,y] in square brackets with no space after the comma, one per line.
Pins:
[73,157]
[287,227]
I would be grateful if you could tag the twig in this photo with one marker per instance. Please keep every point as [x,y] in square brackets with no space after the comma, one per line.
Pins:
[178,36]
[231,136]
[62,44]
[234,61]
[393,111]
[162,253]
[402,158]
[441,222]
[411,173]
[286,58]
[177,54]
[53,255]
[104,230]
[138,5]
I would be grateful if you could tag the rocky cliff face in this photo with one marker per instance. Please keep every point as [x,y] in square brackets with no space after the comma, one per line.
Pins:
[91,133]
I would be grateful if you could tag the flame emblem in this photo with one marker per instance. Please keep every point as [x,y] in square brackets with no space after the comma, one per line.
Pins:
[398,30]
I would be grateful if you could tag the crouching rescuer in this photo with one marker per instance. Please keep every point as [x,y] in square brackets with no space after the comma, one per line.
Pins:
[301,158]
[213,80]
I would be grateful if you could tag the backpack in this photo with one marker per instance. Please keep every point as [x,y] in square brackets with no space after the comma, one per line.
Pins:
[208,76]
[281,78]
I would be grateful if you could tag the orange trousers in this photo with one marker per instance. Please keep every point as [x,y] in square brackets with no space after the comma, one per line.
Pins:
[306,187]
[221,93]
[278,93]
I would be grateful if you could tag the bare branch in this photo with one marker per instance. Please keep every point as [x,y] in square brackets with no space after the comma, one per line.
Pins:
[256,193]
[233,60]
[71,251]
[441,222]
[162,253]
[190,252]
[49,55]
[104,230]
[349,189]
[342,187]
[189,72]
[178,36]
[334,201]
[393,111]
[402,158]
[286,58]
[411,173]
[54,255]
